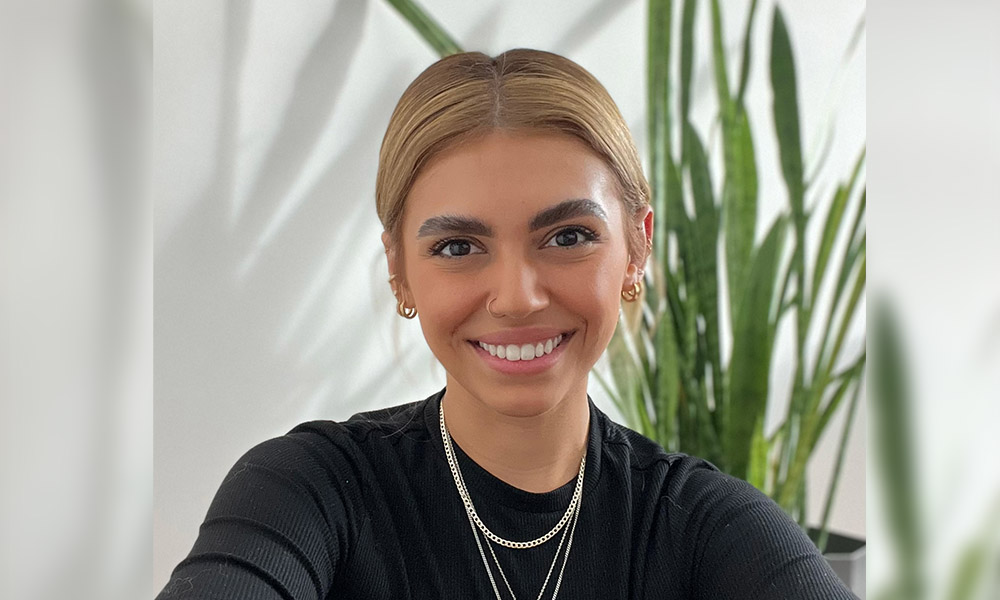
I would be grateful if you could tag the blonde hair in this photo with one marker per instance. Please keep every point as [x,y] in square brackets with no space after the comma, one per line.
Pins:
[467,95]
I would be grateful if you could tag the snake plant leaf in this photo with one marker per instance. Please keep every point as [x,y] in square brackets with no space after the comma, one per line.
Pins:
[739,191]
[833,222]
[429,29]
[828,355]
[848,315]
[786,115]
[677,217]
[700,427]
[622,375]
[668,385]
[646,350]
[683,309]
[786,123]
[745,65]
[852,253]
[687,63]
[658,113]
[719,59]
[838,468]
[705,256]
[854,373]
[626,373]
[831,227]
[810,418]
[751,359]
[759,449]
[739,202]
[676,308]
[813,424]
[858,230]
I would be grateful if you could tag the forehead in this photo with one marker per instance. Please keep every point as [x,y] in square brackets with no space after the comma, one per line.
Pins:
[509,177]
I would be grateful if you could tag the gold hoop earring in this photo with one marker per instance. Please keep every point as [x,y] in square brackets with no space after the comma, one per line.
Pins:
[407,312]
[631,294]
[404,311]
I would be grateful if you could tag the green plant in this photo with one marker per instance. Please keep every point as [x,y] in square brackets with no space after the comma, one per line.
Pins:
[669,376]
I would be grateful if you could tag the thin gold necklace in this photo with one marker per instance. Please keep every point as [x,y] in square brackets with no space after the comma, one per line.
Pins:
[572,513]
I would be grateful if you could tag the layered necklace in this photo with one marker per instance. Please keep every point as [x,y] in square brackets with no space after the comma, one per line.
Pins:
[567,524]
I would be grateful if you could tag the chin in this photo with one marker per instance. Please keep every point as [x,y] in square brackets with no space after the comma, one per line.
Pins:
[523,407]
[521,400]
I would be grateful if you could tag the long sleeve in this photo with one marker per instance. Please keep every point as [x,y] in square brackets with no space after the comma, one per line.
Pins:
[746,547]
[275,529]
[367,509]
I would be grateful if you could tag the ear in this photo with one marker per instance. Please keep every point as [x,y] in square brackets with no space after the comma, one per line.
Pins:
[395,264]
[638,263]
[647,230]
[389,254]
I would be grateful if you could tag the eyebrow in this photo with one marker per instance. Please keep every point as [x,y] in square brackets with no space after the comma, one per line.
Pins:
[568,209]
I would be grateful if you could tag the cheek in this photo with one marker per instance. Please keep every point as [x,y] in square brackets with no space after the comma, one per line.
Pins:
[611,278]
[443,302]
[594,294]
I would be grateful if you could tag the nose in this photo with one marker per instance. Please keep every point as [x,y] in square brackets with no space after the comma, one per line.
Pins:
[518,289]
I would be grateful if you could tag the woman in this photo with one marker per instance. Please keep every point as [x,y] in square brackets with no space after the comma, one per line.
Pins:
[516,219]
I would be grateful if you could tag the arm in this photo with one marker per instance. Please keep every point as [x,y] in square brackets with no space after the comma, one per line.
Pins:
[275,530]
[743,545]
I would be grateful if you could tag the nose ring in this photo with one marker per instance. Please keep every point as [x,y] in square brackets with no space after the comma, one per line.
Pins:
[492,314]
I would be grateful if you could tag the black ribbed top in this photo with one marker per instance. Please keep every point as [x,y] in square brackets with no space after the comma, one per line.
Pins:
[368,509]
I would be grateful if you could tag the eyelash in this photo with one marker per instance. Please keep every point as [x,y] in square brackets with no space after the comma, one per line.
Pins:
[589,236]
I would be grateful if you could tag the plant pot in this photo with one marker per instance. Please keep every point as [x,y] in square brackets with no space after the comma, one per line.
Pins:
[847,557]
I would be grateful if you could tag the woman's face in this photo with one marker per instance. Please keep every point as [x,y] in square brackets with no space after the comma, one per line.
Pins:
[533,222]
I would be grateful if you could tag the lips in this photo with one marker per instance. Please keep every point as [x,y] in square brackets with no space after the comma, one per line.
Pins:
[516,352]
[521,336]
[532,358]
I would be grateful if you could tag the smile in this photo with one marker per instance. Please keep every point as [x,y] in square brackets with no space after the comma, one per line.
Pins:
[523,352]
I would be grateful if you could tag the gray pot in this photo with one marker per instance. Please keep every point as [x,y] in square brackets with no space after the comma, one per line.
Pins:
[847,557]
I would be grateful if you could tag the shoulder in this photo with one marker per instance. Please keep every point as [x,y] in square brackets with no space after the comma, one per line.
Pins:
[647,459]
[325,464]
[727,538]
[403,420]
[690,491]
[324,452]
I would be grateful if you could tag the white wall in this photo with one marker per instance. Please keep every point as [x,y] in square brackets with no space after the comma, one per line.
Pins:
[271,305]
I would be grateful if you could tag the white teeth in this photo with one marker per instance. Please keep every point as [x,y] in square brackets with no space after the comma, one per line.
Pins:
[516,353]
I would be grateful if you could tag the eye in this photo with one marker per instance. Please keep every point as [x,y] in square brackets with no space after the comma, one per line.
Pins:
[572,237]
[454,248]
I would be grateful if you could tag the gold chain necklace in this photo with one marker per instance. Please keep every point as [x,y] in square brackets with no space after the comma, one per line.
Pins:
[572,513]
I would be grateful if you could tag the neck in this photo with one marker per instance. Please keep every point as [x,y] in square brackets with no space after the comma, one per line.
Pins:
[533,451]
